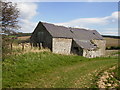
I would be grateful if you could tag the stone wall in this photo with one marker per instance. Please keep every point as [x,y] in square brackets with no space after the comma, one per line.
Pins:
[100,51]
[61,45]
[101,46]
[91,53]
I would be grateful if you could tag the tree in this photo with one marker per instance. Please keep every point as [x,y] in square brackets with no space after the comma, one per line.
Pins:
[9,18]
[9,24]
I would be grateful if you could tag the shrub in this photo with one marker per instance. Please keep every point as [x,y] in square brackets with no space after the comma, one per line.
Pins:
[113,48]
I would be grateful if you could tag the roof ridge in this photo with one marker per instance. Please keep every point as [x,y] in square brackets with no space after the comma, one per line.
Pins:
[66,27]
[62,31]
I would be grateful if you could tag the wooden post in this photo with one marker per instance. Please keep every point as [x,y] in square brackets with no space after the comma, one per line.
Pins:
[22,46]
[31,45]
[41,45]
[11,45]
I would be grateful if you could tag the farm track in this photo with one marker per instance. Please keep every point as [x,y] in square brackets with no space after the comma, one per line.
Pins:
[74,76]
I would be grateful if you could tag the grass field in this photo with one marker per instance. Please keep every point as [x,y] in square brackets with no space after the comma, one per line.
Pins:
[23,38]
[48,70]
[111,41]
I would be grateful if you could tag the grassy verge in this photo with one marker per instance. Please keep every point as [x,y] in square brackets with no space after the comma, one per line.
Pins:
[46,70]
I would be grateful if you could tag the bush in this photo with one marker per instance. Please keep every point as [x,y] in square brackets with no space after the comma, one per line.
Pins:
[113,48]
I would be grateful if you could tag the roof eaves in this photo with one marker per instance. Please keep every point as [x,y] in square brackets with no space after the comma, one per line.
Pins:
[63,37]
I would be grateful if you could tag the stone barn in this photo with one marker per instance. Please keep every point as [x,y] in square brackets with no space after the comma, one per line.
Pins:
[64,40]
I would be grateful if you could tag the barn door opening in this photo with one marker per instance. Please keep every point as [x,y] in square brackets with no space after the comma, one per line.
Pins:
[40,37]
[76,50]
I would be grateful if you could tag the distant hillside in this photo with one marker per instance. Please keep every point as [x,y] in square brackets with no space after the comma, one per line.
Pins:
[112,42]
[118,37]
[23,34]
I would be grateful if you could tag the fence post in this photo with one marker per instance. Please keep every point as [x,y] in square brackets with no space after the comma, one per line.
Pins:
[39,46]
[31,45]
[22,46]
[11,45]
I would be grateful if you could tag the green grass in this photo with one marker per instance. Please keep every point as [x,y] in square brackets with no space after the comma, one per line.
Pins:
[117,73]
[48,70]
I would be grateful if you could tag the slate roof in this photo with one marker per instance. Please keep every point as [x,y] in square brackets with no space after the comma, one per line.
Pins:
[58,31]
[61,31]
[86,44]
[77,34]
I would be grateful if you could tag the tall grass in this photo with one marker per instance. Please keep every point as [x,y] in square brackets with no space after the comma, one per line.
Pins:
[22,69]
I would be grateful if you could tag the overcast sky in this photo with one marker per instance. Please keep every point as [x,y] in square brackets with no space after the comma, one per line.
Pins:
[100,16]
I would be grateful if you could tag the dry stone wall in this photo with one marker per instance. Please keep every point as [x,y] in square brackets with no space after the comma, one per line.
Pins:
[61,45]
[100,51]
